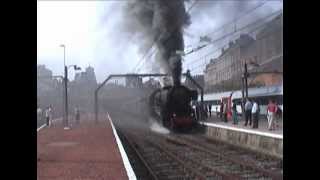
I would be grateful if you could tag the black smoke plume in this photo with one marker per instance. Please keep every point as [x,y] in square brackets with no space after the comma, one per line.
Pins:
[162,22]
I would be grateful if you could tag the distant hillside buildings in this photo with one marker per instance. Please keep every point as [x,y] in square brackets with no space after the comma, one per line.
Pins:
[87,77]
[51,90]
[133,82]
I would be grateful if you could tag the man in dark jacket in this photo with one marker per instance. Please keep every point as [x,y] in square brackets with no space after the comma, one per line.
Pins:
[234,113]
[77,114]
[221,110]
[247,108]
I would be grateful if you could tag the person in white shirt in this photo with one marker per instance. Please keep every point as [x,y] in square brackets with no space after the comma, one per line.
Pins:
[234,113]
[50,115]
[39,113]
[255,115]
[248,109]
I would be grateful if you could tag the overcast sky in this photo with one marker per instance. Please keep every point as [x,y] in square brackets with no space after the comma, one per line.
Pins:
[93,34]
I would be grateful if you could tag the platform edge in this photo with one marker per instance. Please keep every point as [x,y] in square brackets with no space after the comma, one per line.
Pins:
[130,173]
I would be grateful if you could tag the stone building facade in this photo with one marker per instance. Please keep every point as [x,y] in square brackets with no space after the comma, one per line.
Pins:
[270,45]
[224,73]
[198,78]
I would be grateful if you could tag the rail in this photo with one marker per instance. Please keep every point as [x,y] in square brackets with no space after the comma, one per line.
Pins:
[200,161]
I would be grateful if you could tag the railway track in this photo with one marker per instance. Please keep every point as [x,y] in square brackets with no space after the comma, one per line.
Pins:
[228,160]
[178,157]
[191,156]
[160,163]
[259,160]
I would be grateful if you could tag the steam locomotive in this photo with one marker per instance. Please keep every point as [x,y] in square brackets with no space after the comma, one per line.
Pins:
[171,106]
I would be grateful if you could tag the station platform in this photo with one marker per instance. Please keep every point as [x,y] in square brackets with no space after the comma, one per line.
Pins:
[262,128]
[86,151]
[260,140]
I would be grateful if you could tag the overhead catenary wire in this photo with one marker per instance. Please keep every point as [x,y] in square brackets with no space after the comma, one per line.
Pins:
[234,32]
[238,18]
[205,63]
[219,49]
[218,29]
[226,35]
[231,22]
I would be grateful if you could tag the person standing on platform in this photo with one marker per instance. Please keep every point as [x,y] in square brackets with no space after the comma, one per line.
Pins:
[50,115]
[209,108]
[205,111]
[221,111]
[217,111]
[47,115]
[194,112]
[255,114]
[197,109]
[225,112]
[234,113]
[77,114]
[39,114]
[248,108]
[271,110]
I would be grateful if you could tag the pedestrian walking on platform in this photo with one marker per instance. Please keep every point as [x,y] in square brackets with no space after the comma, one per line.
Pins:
[234,113]
[248,108]
[77,115]
[255,114]
[271,111]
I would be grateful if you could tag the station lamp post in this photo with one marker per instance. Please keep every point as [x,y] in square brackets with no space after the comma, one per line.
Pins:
[244,78]
[66,125]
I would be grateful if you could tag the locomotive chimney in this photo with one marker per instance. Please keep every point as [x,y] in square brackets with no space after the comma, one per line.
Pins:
[175,61]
